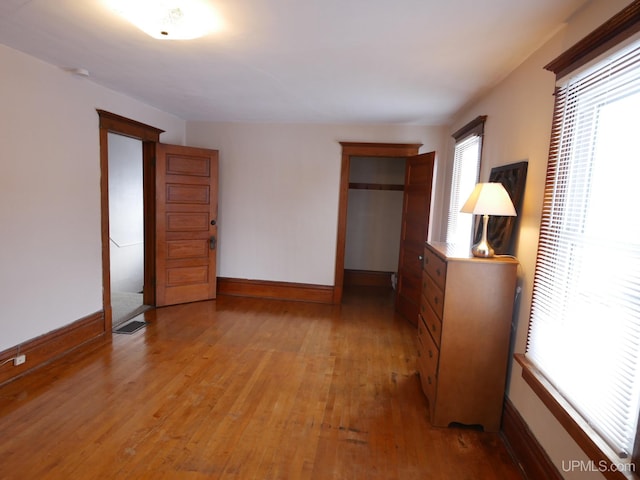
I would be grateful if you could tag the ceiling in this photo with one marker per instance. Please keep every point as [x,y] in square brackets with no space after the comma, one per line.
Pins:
[294,61]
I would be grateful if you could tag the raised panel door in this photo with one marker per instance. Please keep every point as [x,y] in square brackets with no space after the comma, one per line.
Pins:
[186,224]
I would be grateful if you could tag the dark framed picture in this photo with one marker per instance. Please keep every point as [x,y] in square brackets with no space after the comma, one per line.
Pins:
[500,229]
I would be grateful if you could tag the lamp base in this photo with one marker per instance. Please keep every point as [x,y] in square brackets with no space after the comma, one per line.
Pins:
[482,249]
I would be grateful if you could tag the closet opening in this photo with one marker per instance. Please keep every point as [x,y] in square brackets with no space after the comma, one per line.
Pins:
[374,219]
[369,173]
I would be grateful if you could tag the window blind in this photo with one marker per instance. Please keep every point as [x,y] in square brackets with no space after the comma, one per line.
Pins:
[584,330]
[466,167]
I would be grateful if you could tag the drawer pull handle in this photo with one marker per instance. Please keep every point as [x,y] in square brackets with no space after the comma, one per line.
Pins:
[430,354]
[433,327]
[438,272]
[429,379]
[435,300]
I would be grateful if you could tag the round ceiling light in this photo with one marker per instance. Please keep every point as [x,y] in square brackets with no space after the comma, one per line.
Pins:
[170,19]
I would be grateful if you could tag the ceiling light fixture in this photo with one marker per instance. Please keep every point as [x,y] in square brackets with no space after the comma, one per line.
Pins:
[169,19]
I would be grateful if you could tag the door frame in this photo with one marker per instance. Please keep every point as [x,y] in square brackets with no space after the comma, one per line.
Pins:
[358,149]
[150,136]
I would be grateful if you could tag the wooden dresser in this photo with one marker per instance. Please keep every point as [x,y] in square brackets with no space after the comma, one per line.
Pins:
[464,330]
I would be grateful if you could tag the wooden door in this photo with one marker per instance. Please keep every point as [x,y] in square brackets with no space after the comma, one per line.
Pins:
[416,210]
[186,229]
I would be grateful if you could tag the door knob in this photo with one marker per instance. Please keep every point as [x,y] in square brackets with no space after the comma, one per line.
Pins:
[213,222]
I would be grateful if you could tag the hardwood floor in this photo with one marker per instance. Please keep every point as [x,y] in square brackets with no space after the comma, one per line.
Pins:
[242,388]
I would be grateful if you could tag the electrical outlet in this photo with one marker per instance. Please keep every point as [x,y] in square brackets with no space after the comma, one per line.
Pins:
[19,360]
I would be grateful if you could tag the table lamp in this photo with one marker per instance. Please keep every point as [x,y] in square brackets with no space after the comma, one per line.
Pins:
[488,199]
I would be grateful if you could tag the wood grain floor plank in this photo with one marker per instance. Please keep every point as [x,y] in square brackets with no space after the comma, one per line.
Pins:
[242,389]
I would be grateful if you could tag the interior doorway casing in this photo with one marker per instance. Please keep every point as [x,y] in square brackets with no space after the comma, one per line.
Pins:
[150,136]
[358,149]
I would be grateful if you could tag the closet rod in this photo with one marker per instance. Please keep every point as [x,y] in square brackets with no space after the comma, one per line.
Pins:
[375,186]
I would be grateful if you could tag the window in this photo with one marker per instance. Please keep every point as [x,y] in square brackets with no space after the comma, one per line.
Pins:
[584,331]
[466,168]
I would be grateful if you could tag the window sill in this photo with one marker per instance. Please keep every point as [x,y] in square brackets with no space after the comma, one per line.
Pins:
[603,459]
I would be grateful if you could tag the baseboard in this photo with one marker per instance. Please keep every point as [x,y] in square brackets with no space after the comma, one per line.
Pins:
[525,448]
[275,290]
[366,278]
[47,347]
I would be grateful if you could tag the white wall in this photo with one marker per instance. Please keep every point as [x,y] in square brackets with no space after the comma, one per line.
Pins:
[518,128]
[278,202]
[50,244]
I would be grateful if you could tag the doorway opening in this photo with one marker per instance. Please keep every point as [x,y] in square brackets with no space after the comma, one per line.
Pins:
[414,228]
[119,134]
[368,174]
[126,228]
[374,222]
[374,219]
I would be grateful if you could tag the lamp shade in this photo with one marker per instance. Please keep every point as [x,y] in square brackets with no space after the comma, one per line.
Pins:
[489,199]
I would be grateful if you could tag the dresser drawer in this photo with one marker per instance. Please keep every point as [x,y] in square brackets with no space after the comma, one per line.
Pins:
[428,355]
[427,382]
[422,335]
[433,294]
[430,320]
[435,266]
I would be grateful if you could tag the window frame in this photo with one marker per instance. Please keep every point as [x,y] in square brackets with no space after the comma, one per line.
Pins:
[473,128]
[612,33]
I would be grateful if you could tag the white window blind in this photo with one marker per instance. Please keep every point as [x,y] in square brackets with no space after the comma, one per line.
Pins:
[584,331]
[466,167]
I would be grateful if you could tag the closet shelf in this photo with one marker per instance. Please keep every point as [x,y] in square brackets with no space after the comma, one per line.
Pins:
[375,186]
